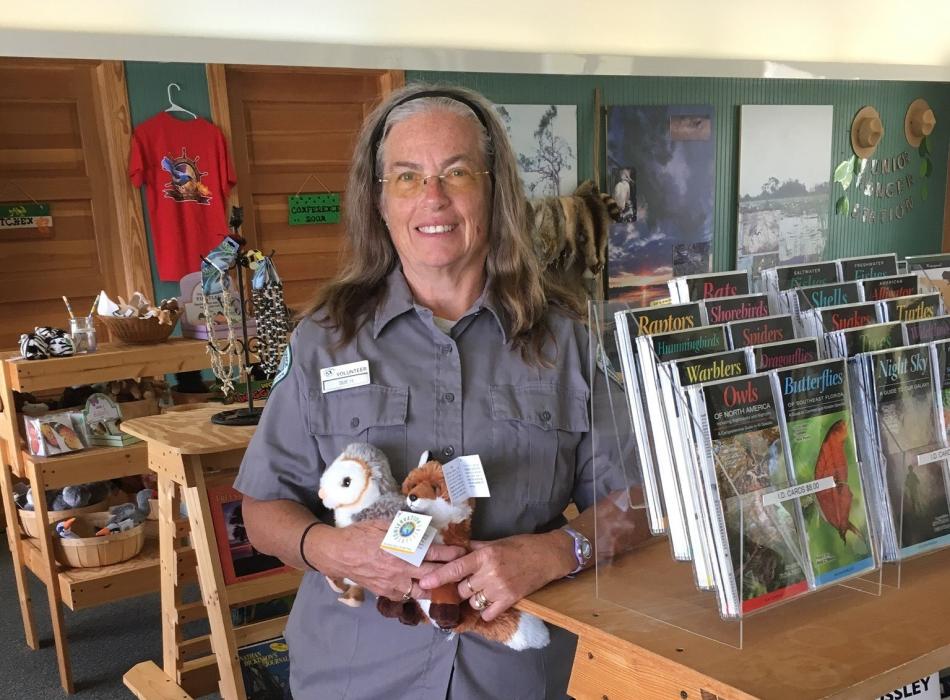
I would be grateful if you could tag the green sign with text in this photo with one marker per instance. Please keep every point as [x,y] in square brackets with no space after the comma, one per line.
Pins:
[313,209]
[25,216]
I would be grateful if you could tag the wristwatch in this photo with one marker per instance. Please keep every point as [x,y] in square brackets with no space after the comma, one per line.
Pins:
[583,549]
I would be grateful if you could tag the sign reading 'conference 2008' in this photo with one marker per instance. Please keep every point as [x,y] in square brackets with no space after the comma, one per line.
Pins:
[306,209]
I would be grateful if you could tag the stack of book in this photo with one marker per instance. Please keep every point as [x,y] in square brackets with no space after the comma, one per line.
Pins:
[753,460]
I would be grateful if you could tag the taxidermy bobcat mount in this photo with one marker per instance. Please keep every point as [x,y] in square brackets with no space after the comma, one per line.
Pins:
[570,234]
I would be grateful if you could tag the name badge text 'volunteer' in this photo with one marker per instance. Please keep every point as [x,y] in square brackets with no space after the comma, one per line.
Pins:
[344,376]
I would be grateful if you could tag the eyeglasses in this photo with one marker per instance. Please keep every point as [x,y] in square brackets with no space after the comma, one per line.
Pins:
[409,183]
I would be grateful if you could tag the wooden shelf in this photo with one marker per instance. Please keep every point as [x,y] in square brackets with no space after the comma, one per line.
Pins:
[109,362]
[87,587]
[91,464]
[264,588]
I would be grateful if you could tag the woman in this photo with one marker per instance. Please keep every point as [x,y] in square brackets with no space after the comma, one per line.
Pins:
[469,352]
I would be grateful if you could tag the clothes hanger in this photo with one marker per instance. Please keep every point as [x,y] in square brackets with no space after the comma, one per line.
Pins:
[175,107]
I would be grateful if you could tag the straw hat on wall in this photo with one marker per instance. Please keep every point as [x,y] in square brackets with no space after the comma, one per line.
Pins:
[866,132]
[918,122]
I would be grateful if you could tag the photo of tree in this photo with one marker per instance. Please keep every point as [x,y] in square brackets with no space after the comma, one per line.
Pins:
[545,141]
[661,163]
[784,185]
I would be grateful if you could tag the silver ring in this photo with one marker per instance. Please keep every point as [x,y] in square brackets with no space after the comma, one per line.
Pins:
[408,594]
[479,601]
[468,582]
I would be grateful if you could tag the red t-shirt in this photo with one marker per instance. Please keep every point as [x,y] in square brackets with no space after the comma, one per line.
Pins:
[187,173]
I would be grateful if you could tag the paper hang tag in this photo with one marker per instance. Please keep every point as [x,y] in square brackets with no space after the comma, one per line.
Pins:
[344,376]
[409,536]
[465,478]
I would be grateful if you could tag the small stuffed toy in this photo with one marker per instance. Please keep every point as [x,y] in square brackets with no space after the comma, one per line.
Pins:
[127,515]
[427,492]
[358,485]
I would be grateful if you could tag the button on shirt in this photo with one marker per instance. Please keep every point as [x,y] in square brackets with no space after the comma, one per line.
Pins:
[456,393]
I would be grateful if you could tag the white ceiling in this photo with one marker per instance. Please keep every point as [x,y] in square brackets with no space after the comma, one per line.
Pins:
[873,39]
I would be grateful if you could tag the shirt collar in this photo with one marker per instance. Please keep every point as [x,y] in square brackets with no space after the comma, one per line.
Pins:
[399,300]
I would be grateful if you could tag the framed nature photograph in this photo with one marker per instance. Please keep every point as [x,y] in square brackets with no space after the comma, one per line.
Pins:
[545,141]
[661,166]
[784,184]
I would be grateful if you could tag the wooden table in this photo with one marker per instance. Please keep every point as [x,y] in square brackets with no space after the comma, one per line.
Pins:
[188,453]
[839,643]
[77,588]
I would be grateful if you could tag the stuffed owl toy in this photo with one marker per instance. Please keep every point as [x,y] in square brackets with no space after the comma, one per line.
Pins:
[358,485]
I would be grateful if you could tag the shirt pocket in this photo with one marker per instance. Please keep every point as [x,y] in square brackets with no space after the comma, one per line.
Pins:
[536,429]
[372,413]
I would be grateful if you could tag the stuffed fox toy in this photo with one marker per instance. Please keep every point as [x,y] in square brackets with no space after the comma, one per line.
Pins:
[426,492]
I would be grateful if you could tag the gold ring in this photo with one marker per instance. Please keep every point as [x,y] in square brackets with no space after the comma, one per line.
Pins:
[408,594]
[479,601]
[468,582]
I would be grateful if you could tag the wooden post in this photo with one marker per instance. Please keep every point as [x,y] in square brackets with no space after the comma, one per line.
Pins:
[53,595]
[134,271]
[213,589]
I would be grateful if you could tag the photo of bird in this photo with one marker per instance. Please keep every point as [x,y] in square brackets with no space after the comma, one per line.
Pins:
[185,182]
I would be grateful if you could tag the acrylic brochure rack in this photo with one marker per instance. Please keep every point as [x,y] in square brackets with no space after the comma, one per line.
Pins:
[751,563]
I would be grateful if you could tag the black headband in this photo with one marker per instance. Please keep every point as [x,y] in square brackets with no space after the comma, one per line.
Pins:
[381,124]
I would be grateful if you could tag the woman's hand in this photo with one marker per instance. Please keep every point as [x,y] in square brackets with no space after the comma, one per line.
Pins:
[506,570]
[353,552]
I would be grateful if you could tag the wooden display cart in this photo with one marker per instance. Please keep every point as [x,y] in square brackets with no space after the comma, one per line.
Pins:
[77,588]
[189,454]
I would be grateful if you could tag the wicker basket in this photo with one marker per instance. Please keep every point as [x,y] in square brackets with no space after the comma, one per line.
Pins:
[28,517]
[98,551]
[139,331]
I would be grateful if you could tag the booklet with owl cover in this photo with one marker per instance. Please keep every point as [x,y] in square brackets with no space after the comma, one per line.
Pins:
[821,453]
[761,539]
[908,426]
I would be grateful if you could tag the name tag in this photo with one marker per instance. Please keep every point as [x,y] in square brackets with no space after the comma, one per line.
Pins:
[344,376]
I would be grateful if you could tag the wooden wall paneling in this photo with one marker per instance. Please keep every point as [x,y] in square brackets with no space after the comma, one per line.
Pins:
[221,116]
[134,271]
[293,130]
[239,150]
[59,121]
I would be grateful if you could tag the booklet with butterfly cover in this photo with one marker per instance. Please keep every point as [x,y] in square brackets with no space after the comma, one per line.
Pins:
[743,461]
[821,454]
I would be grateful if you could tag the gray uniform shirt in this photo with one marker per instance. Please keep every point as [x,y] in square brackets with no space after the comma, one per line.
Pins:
[466,392]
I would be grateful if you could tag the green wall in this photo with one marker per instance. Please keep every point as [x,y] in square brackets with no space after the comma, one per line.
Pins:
[920,231]
[147,85]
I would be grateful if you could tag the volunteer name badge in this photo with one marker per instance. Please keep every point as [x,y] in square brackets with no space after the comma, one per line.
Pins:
[344,376]
[409,536]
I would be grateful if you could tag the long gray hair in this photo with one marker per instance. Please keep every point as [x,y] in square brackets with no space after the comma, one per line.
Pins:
[515,281]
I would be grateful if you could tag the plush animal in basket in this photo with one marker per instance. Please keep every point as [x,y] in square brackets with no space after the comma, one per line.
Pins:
[358,485]
[426,492]
[127,515]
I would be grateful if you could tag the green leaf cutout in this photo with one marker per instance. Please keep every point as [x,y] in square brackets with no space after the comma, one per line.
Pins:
[924,148]
[858,162]
[842,205]
[843,170]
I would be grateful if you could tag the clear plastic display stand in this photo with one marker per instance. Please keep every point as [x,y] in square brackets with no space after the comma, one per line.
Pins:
[763,582]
